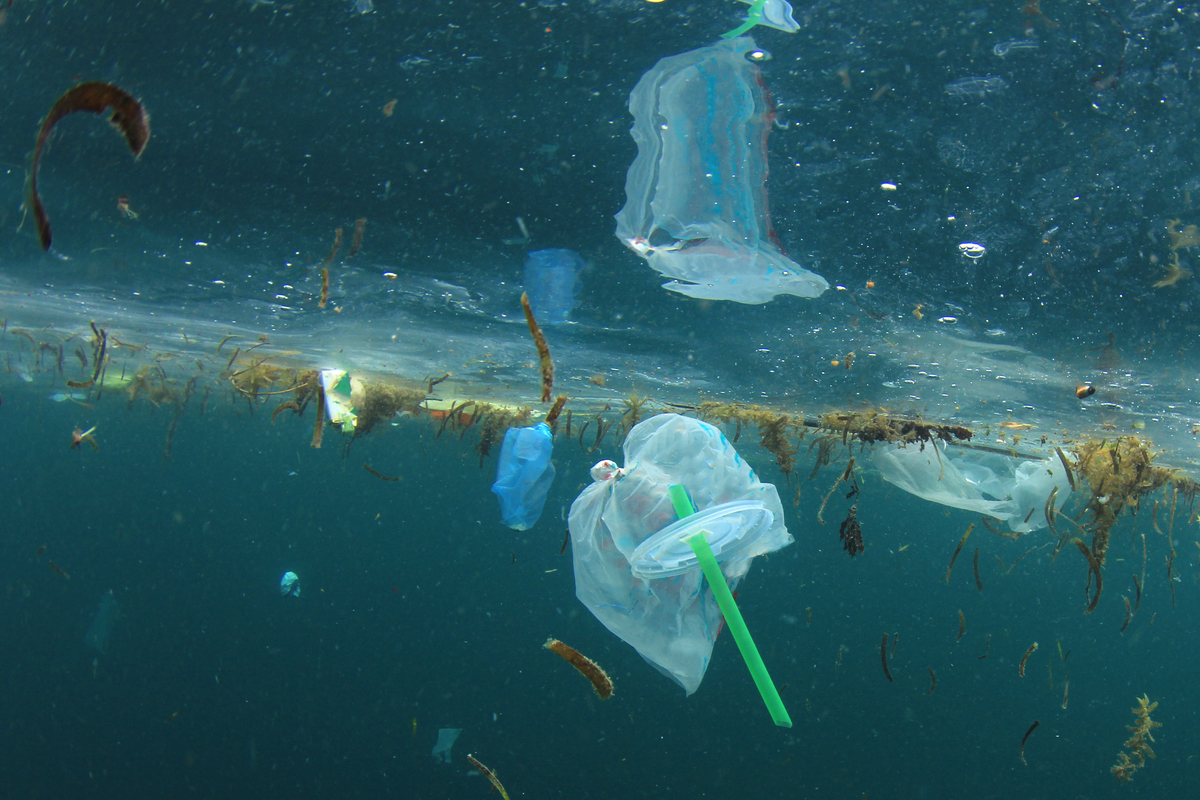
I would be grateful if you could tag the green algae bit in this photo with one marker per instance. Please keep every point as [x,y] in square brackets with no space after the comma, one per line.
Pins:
[733,616]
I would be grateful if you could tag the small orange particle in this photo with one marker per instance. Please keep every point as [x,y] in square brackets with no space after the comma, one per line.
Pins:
[835,363]
[389,107]
[870,284]
[1084,391]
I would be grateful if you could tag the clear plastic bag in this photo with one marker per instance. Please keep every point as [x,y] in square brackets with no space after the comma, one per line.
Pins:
[673,621]
[1009,489]
[696,195]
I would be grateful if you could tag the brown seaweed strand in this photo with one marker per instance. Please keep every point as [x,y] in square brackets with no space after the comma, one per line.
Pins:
[1094,567]
[555,410]
[324,286]
[1028,653]
[487,773]
[987,646]
[543,350]
[962,625]
[1066,691]
[337,245]
[883,657]
[1128,613]
[391,478]
[932,681]
[128,116]
[958,550]
[319,427]
[360,225]
[1067,467]
[978,582]
[1138,586]
[1170,580]
[588,668]
[1025,738]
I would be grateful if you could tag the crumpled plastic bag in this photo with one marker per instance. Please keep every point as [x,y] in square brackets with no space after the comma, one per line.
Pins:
[1008,489]
[672,622]
[524,474]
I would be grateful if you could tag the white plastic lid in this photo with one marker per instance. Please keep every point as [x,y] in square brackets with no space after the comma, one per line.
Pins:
[731,527]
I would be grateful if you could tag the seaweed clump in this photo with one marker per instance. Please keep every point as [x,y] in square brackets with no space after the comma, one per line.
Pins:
[1135,759]
[379,403]
[871,426]
[1119,472]
[773,426]
[495,421]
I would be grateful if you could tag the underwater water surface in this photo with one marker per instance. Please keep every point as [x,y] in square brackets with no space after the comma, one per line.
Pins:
[1000,196]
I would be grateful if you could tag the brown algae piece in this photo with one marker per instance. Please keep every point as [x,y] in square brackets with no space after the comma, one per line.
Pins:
[588,668]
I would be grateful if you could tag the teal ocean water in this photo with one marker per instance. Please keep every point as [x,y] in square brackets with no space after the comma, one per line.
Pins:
[998,196]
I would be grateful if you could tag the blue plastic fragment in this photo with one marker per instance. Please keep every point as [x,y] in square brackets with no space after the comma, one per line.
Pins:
[552,283]
[524,475]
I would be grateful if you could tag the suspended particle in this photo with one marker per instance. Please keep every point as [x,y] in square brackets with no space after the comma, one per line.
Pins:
[972,250]
[758,55]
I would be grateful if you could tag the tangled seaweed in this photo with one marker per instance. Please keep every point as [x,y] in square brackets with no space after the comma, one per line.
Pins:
[1129,763]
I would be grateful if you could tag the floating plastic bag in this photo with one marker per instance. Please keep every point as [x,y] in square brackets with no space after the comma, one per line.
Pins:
[552,283]
[672,621]
[446,739]
[100,629]
[696,195]
[777,14]
[289,584]
[1006,488]
[523,475]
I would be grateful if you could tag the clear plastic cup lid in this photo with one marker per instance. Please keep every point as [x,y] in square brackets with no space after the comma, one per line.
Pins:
[732,529]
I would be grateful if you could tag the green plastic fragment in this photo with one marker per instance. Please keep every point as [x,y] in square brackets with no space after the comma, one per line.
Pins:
[733,616]
[756,9]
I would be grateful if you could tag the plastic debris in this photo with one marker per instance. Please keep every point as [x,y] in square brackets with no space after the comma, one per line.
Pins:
[289,584]
[552,283]
[445,742]
[523,475]
[1008,489]
[696,195]
[101,628]
[672,621]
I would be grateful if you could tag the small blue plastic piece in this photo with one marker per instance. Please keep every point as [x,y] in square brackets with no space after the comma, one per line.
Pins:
[552,283]
[524,475]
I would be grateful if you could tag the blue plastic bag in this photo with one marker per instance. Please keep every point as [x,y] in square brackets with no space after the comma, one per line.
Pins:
[524,475]
[552,283]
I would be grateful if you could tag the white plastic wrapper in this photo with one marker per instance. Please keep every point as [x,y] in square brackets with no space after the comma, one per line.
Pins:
[289,584]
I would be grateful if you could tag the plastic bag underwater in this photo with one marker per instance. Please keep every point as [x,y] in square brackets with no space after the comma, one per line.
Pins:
[672,622]
[523,475]
[1009,489]
[552,282]
[696,195]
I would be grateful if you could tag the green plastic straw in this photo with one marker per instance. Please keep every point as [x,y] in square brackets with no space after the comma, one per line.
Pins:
[733,616]
[756,9]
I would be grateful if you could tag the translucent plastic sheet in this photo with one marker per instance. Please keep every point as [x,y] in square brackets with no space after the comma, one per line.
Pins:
[672,621]
[552,282]
[696,195]
[1007,489]
[101,628]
